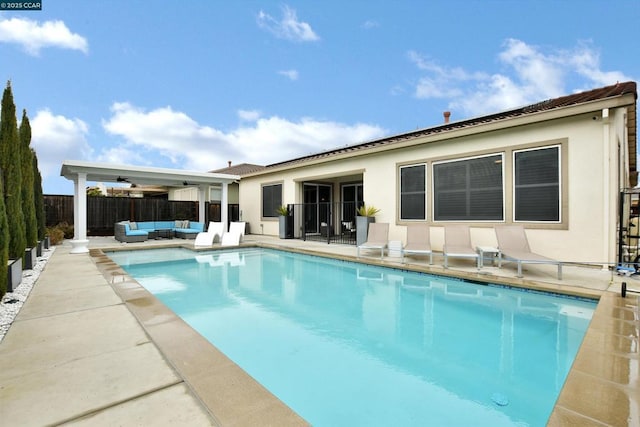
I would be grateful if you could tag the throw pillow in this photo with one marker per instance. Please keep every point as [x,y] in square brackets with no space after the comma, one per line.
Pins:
[133,226]
[178,223]
[185,223]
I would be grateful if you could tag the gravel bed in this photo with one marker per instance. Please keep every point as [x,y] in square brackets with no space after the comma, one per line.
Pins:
[12,301]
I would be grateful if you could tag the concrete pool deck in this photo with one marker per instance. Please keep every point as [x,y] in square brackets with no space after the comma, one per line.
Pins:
[91,347]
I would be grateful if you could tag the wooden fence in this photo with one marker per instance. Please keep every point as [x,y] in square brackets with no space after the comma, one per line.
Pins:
[103,212]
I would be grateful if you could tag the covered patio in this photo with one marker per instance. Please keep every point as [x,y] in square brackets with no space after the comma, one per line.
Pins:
[82,172]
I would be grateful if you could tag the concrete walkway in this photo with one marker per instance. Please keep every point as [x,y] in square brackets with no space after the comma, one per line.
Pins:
[75,355]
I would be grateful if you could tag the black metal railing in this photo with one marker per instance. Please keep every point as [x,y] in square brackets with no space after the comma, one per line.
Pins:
[325,222]
[629,229]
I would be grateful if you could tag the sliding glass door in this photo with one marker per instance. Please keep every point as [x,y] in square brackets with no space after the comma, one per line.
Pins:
[317,207]
[351,200]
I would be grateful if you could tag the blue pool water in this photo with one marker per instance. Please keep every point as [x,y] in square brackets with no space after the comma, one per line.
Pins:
[344,343]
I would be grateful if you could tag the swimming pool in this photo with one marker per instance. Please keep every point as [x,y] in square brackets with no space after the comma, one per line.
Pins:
[344,343]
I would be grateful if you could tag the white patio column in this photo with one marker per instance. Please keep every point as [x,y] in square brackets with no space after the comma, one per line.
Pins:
[224,206]
[202,203]
[80,244]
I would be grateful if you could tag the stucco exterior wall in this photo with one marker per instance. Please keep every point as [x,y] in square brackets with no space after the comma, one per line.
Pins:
[183,194]
[191,194]
[590,178]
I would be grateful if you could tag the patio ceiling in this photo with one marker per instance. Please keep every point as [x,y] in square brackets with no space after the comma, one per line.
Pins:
[140,175]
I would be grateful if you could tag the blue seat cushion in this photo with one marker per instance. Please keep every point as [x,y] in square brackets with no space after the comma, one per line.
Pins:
[137,233]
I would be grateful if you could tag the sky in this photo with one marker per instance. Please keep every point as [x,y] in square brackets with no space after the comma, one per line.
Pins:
[195,84]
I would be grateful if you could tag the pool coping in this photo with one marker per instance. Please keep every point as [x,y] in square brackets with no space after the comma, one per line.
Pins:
[229,394]
[602,387]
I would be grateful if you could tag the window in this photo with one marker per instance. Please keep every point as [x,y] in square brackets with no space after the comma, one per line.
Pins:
[215,194]
[412,192]
[537,184]
[271,200]
[469,189]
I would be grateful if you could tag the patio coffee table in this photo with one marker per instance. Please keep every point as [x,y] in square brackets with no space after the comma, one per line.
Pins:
[165,233]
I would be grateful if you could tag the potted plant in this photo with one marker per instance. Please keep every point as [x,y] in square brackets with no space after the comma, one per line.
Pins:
[286,222]
[366,215]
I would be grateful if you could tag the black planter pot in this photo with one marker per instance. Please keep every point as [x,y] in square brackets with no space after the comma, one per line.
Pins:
[14,274]
[30,258]
[47,242]
[39,248]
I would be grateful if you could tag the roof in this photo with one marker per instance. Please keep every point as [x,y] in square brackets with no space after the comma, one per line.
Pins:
[617,90]
[240,169]
[105,172]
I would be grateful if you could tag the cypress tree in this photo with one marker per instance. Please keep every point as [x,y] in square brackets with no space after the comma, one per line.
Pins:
[28,204]
[4,242]
[38,197]
[11,165]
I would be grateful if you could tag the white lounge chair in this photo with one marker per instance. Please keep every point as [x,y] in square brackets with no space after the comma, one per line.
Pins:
[418,241]
[207,238]
[238,227]
[377,237]
[457,244]
[235,234]
[514,246]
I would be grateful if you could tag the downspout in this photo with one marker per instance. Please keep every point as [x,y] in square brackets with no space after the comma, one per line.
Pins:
[606,223]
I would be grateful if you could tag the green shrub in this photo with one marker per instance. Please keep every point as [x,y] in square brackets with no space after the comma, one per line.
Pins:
[283,210]
[368,210]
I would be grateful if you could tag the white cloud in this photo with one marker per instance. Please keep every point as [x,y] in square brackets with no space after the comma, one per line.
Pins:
[56,138]
[290,74]
[249,115]
[441,82]
[587,63]
[121,154]
[369,24]
[276,139]
[190,145]
[288,27]
[34,36]
[165,131]
[529,74]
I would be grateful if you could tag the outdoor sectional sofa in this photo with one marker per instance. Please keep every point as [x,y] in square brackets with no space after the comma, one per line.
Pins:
[130,232]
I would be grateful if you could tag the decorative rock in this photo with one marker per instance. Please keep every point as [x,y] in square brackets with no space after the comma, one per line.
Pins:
[12,301]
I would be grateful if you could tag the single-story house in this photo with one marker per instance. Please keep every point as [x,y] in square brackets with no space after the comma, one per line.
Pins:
[556,167]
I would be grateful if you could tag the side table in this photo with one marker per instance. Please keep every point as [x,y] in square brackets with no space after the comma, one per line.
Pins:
[394,248]
[489,250]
